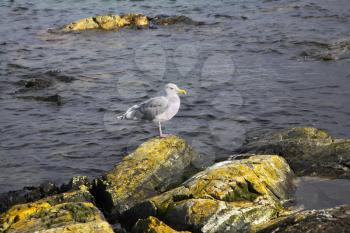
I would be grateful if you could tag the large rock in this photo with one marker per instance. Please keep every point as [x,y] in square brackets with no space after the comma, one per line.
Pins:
[154,167]
[231,196]
[114,22]
[107,22]
[153,225]
[334,220]
[62,213]
[309,151]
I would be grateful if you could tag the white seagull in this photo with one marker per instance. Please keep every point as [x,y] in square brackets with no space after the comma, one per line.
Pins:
[157,109]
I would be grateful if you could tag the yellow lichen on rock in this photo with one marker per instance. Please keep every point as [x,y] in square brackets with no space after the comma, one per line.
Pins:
[68,212]
[81,24]
[155,166]
[226,197]
[153,225]
[107,22]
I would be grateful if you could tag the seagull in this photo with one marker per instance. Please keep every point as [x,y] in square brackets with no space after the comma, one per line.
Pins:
[157,109]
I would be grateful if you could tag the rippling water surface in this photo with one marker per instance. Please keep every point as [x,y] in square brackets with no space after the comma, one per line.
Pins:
[248,69]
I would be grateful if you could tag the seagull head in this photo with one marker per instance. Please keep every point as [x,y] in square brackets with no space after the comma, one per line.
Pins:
[172,89]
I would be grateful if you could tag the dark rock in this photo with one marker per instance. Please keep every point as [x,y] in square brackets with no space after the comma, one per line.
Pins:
[333,220]
[165,20]
[37,83]
[309,151]
[53,98]
[27,194]
[75,183]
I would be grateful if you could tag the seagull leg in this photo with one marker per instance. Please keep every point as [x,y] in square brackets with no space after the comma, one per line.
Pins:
[160,131]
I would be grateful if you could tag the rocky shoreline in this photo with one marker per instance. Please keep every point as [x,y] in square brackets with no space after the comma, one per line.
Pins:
[158,188]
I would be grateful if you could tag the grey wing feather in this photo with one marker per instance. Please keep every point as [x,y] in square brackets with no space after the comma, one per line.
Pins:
[147,110]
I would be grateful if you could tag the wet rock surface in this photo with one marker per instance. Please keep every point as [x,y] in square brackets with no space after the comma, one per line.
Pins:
[154,167]
[309,151]
[230,196]
[333,220]
[66,212]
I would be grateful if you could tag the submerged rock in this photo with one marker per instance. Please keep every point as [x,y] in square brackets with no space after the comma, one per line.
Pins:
[66,212]
[153,225]
[328,51]
[107,22]
[165,20]
[231,196]
[37,83]
[57,99]
[155,166]
[309,151]
[333,220]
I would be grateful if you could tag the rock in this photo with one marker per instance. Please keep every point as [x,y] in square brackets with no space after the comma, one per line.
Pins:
[333,220]
[114,22]
[328,51]
[155,166]
[107,22]
[165,20]
[27,194]
[37,83]
[66,212]
[309,151]
[75,183]
[57,99]
[230,196]
[153,225]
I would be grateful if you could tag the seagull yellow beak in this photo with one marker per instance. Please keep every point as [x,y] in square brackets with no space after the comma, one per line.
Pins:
[182,91]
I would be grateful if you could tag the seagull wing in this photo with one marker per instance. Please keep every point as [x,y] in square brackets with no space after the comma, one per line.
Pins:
[147,110]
